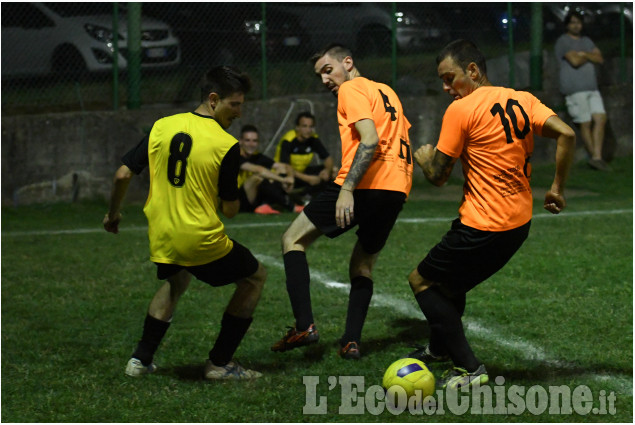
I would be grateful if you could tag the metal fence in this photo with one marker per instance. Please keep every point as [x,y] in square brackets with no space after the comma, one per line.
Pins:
[63,56]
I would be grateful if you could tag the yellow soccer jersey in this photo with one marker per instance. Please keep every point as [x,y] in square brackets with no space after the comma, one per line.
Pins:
[185,155]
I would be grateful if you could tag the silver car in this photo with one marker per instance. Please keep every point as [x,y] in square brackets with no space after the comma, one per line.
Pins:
[75,37]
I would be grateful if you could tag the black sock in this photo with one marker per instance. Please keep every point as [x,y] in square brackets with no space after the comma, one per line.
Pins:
[232,331]
[358,302]
[445,323]
[153,332]
[298,282]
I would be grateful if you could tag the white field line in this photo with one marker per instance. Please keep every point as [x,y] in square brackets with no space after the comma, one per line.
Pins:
[525,349]
[286,223]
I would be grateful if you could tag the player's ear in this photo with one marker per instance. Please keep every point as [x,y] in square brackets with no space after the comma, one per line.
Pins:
[473,71]
[348,63]
[213,99]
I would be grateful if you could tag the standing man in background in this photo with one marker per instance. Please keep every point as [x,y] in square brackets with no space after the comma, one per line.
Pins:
[369,190]
[577,55]
[193,166]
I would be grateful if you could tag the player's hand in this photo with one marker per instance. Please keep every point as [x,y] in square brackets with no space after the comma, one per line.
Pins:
[424,155]
[324,175]
[344,209]
[287,183]
[112,224]
[554,202]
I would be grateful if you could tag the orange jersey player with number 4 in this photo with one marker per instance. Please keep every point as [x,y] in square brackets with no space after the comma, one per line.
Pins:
[491,129]
[369,192]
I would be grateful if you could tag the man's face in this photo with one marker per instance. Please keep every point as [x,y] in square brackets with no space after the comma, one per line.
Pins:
[249,142]
[305,128]
[456,82]
[574,27]
[332,72]
[228,109]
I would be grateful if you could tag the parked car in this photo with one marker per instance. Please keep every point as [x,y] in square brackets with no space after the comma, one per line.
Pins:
[43,38]
[366,27]
[229,33]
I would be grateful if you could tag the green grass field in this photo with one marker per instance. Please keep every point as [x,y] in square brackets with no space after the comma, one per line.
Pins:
[559,314]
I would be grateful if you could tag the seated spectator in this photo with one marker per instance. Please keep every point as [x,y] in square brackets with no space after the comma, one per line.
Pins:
[263,184]
[297,148]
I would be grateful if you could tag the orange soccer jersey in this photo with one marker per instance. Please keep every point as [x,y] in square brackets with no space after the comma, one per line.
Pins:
[492,131]
[391,166]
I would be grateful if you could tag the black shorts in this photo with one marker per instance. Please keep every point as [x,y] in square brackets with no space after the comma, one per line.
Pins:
[238,264]
[375,212]
[466,256]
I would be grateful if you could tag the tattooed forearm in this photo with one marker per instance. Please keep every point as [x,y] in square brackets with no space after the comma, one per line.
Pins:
[360,164]
[438,170]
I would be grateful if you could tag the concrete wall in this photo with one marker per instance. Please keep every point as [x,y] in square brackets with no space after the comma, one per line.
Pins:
[63,157]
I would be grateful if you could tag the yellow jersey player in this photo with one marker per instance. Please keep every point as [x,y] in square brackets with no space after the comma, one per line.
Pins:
[193,167]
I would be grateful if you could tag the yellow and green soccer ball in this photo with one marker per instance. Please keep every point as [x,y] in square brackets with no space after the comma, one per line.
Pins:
[411,375]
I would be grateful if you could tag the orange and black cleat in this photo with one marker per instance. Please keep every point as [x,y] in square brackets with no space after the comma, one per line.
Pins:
[294,338]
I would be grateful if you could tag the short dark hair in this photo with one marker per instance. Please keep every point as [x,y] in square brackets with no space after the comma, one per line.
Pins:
[224,80]
[305,114]
[336,50]
[573,13]
[463,52]
[248,128]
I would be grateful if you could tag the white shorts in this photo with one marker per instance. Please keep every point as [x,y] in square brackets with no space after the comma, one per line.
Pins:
[583,104]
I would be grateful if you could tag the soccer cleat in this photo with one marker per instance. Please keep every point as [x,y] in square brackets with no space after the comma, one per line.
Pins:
[350,351]
[136,368]
[298,209]
[424,354]
[457,378]
[293,339]
[266,209]
[232,370]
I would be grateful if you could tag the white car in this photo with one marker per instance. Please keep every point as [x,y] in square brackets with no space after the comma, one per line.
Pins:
[71,38]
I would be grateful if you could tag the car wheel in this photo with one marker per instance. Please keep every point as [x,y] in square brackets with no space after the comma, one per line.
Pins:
[69,63]
[374,40]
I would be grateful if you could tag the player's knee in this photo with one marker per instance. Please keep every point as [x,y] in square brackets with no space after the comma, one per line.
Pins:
[258,279]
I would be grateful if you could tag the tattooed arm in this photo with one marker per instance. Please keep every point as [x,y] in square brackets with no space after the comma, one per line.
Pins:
[344,209]
[436,165]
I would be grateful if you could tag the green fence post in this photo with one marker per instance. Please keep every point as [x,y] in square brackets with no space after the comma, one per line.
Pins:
[115,56]
[536,47]
[622,45]
[263,48]
[512,59]
[134,55]
[393,32]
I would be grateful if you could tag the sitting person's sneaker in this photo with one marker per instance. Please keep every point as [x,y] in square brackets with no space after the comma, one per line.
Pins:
[350,351]
[294,338]
[457,378]
[423,353]
[265,209]
[232,370]
[136,368]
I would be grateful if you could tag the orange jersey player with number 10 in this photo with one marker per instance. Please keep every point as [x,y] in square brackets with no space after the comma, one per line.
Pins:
[369,192]
[491,129]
